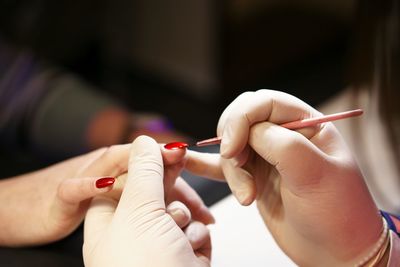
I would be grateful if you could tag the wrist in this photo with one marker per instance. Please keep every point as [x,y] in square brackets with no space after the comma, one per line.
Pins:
[361,242]
[376,254]
[20,221]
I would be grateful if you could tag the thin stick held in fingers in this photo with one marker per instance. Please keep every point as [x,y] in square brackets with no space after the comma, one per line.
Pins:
[297,124]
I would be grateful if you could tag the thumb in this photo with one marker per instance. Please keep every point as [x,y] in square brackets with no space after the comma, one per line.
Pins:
[144,189]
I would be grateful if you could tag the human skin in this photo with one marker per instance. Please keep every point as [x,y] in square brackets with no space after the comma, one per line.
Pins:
[137,230]
[47,205]
[309,189]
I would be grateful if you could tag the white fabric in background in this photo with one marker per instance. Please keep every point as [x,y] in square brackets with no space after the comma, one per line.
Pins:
[240,238]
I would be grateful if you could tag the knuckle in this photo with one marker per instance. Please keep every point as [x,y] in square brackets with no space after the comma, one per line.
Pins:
[61,191]
[149,166]
[64,192]
[109,156]
[293,143]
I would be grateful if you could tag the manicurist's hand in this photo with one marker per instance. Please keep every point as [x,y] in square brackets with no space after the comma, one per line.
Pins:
[308,188]
[140,229]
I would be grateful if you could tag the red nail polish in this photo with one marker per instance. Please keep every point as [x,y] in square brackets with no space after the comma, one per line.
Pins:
[104,182]
[176,145]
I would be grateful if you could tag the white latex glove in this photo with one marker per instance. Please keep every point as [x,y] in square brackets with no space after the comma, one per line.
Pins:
[138,231]
[308,187]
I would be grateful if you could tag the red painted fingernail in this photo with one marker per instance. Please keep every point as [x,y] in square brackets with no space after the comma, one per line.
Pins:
[176,145]
[104,182]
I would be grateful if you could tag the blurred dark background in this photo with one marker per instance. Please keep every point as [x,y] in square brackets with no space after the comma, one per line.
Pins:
[189,59]
[184,59]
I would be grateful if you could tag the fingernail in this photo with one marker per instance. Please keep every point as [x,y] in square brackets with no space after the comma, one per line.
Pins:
[177,214]
[104,182]
[176,145]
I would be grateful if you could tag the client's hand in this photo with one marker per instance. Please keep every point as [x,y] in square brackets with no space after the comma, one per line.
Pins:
[138,231]
[308,187]
[49,204]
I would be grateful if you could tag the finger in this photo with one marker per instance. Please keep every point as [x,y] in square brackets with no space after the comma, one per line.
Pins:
[144,189]
[201,255]
[73,191]
[174,161]
[187,195]
[240,181]
[179,213]
[228,110]
[263,105]
[98,218]
[112,161]
[225,127]
[240,159]
[170,174]
[204,165]
[71,195]
[81,162]
[285,150]
[199,237]
[117,187]
[172,156]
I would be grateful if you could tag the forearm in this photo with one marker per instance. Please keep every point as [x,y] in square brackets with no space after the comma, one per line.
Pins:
[21,210]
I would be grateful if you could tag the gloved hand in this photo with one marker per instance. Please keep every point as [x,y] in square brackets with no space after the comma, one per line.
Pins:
[138,230]
[309,189]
